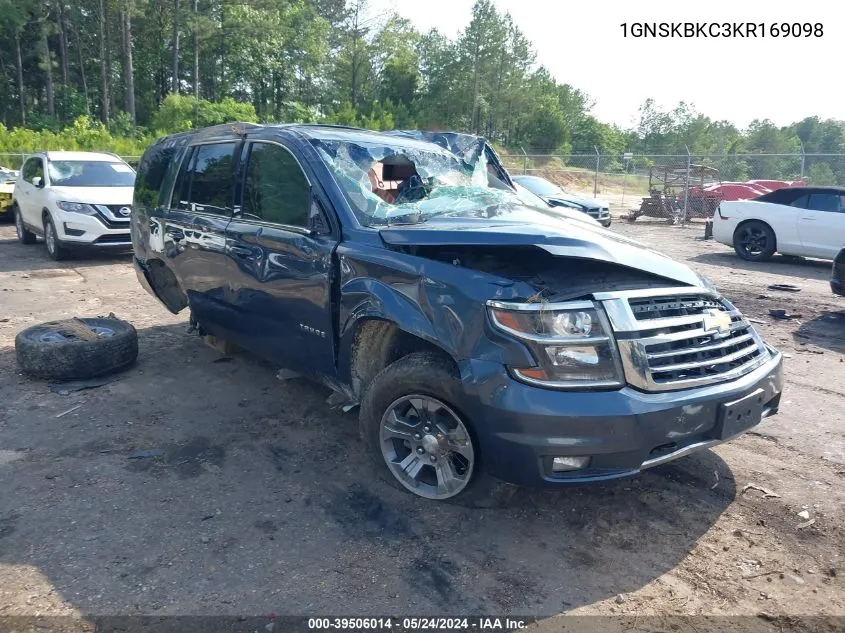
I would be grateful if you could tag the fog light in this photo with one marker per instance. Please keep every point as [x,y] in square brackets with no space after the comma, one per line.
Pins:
[561,464]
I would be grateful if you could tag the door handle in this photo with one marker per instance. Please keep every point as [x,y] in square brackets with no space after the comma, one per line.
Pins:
[240,251]
[808,219]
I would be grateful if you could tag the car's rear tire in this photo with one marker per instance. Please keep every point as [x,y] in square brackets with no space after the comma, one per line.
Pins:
[53,350]
[754,241]
[25,236]
[419,439]
[51,239]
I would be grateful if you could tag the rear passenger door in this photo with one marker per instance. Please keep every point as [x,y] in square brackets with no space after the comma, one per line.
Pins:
[194,229]
[822,224]
[282,262]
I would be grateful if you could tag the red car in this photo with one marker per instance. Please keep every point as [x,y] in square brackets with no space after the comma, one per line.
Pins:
[728,191]
[772,185]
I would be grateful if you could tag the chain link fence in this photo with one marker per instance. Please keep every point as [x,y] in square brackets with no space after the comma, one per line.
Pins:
[677,187]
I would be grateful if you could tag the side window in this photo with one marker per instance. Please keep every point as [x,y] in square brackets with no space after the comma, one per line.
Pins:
[213,178]
[800,201]
[206,180]
[825,202]
[28,170]
[151,174]
[275,188]
[33,168]
[181,189]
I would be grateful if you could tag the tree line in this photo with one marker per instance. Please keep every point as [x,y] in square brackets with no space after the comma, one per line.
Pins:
[146,67]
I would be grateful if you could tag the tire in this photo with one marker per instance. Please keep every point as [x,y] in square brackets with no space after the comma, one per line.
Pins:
[51,240]
[754,241]
[49,351]
[25,236]
[428,377]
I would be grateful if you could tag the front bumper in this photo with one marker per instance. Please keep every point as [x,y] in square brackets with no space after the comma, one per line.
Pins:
[143,275]
[76,230]
[521,428]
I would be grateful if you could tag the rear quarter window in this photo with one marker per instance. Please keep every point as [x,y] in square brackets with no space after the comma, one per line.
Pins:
[153,171]
[782,196]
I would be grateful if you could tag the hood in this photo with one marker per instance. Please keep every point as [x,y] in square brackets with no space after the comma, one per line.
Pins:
[94,195]
[587,203]
[525,226]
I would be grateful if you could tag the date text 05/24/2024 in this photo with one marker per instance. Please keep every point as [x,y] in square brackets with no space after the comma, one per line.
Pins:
[722,29]
[399,625]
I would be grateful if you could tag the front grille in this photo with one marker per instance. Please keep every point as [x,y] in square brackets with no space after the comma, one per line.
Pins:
[110,216]
[115,210]
[663,307]
[683,340]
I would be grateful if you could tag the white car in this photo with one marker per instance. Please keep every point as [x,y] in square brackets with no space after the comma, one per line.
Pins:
[808,221]
[74,200]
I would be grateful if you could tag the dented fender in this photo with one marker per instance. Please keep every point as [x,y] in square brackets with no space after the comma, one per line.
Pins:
[430,300]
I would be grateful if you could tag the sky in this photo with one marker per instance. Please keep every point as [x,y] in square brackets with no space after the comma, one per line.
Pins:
[739,80]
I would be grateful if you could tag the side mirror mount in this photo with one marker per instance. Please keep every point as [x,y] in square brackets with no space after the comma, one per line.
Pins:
[37,181]
[317,223]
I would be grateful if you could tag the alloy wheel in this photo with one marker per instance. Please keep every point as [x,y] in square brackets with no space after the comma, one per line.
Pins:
[753,240]
[50,237]
[427,446]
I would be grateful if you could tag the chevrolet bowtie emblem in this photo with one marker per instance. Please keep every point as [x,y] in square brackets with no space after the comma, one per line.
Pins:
[717,323]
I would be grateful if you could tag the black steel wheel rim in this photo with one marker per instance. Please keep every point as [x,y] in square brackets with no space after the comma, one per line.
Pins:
[753,240]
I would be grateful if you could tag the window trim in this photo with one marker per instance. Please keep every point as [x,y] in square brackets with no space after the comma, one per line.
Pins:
[245,166]
[238,143]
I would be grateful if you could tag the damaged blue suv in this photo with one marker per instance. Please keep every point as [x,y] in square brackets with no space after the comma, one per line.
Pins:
[485,335]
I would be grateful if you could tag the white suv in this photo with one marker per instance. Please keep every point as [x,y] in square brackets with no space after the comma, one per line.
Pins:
[74,200]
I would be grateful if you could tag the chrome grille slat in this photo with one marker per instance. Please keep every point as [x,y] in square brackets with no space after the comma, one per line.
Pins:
[737,372]
[665,343]
[703,348]
[721,360]
[670,322]
[661,339]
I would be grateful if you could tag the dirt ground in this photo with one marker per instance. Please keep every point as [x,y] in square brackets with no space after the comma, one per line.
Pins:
[254,499]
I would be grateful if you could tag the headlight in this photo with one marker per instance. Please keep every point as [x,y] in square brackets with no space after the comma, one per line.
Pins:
[571,342]
[76,207]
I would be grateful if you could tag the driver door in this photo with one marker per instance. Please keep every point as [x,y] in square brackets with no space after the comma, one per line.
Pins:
[822,224]
[280,284]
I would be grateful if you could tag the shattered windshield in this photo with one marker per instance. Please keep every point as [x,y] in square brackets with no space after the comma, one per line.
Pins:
[410,183]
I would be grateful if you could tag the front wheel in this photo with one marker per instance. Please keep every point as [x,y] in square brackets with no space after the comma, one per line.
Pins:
[418,438]
[51,239]
[754,241]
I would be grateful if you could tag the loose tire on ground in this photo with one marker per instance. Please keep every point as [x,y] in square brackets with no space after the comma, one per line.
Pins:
[51,350]
[425,374]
